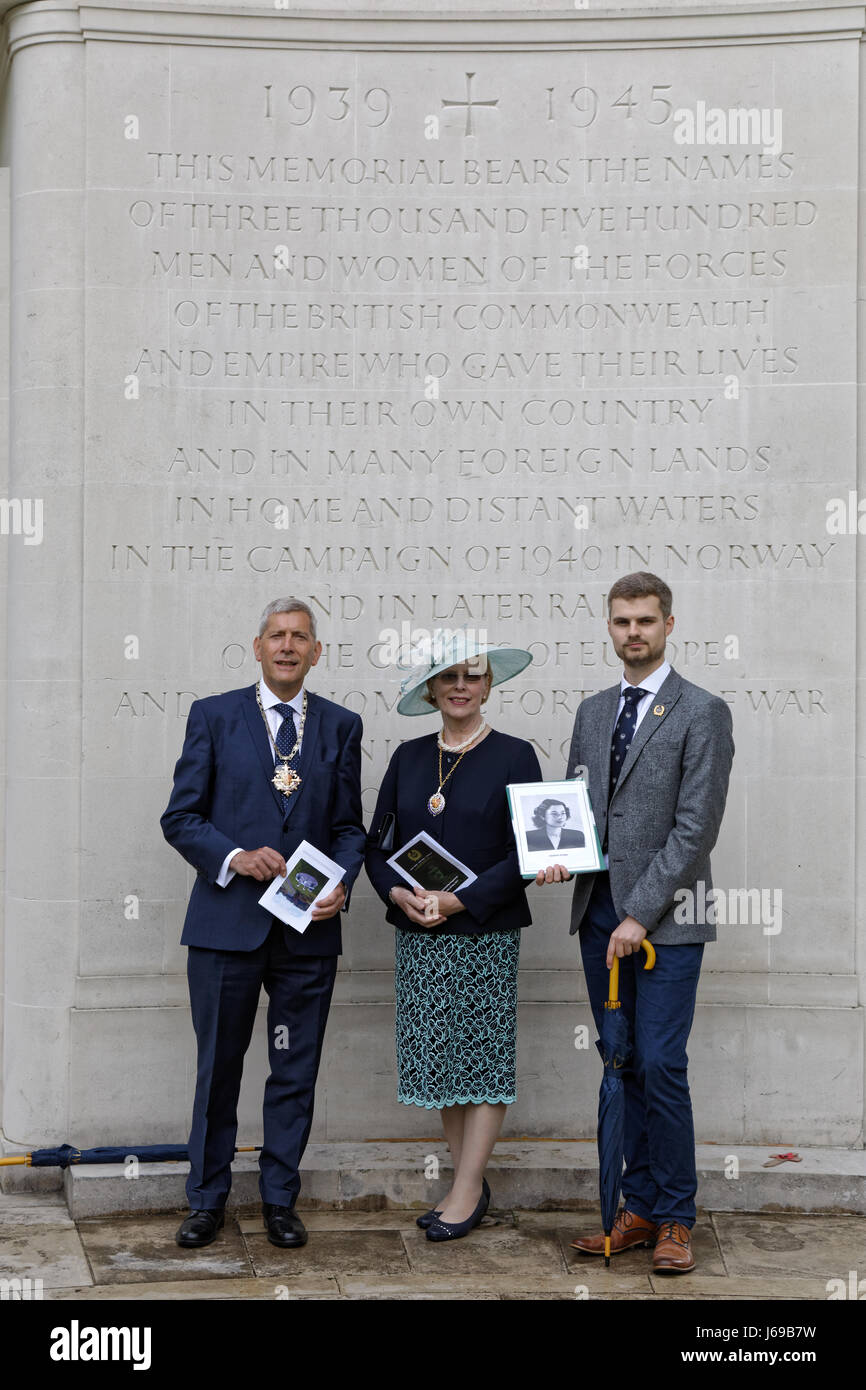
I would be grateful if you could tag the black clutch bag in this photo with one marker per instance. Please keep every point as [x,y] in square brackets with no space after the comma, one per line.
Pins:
[385,838]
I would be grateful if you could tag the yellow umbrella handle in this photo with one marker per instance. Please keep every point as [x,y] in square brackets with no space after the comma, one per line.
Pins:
[613,986]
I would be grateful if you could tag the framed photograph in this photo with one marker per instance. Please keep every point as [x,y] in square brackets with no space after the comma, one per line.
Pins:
[425,864]
[553,824]
[310,875]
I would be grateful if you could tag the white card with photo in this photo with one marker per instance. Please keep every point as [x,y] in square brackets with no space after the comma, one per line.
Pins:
[553,824]
[310,875]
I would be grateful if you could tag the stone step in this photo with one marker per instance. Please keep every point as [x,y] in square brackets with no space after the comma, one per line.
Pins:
[528,1174]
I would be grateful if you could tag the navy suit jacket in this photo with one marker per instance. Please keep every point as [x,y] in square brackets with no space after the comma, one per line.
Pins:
[223,799]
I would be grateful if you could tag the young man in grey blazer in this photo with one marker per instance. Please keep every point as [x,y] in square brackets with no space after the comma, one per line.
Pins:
[658,752]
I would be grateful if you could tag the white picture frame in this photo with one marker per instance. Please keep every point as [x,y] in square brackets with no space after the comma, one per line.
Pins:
[541,813]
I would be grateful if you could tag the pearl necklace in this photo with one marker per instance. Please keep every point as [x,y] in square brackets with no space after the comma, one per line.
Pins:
[436,803]
[458,747]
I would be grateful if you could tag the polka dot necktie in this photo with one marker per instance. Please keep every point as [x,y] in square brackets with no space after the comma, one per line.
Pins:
[285,740]
[624,733]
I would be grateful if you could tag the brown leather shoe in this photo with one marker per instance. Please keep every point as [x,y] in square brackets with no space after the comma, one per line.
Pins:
[673,1252]
[628,1231]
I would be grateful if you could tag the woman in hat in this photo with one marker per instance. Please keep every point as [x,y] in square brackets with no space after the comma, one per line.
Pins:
[456,957]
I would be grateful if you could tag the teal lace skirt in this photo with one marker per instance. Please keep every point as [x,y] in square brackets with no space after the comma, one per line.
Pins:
[456,1018]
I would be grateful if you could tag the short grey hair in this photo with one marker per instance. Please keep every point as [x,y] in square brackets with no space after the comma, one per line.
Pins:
[287,605]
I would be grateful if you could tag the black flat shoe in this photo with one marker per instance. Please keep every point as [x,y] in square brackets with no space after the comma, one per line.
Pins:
[285,1228]
[200,1228]
[453,1230]
[432,1215]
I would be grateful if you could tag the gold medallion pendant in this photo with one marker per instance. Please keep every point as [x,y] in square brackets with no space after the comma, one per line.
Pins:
[286,780]
[436,804]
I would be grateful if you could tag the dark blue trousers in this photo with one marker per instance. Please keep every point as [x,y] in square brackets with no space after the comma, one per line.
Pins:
[660,1180]
[224,989]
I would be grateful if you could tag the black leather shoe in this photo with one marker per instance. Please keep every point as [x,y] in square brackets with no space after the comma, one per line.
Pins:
[433,1215]
[428,1218]
[200,1228]
[285,1228]
[454,1230]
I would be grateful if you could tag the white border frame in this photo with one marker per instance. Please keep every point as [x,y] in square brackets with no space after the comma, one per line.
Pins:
[587,860]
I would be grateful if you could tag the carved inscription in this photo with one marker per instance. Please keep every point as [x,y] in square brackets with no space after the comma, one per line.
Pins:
[445,342]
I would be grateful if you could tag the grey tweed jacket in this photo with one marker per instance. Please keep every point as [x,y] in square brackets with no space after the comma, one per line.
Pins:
[664,816]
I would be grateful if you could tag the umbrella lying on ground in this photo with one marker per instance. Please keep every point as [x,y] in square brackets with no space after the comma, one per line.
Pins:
[66,1156]
[615,1046]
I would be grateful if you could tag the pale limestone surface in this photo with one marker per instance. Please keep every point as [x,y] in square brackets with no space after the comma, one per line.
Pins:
[514,1254]
[375,1181]
[139,250]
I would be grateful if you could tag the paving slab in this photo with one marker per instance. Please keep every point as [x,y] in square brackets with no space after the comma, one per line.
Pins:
[310,1286]
[419,1292]
[492,1248]
[38,1250]
[443,1286]
[338,1252]
[699,1285]
[142,1249]
[633,1297]
[34,1209]
[594,1281]
[628,1272]
[357,1255]
[826,1247]
[325,1220]
[552,1220]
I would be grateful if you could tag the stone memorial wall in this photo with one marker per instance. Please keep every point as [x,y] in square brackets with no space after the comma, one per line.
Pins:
[436,321]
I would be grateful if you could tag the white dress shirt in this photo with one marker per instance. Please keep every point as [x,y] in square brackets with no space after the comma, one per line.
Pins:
[652,684]
[275,719]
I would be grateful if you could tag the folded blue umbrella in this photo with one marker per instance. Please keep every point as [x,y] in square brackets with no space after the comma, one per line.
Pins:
[66,1156]
[615,1047]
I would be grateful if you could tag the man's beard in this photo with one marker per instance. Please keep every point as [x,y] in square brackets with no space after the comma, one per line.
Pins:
[638,660]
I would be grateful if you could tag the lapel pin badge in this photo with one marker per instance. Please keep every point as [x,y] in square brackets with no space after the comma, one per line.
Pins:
[659,709]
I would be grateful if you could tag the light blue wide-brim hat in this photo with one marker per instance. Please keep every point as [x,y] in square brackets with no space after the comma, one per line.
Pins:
[449,649]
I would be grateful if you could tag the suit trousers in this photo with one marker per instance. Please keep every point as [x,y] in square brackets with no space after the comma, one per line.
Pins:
[660,1179]
[224,989]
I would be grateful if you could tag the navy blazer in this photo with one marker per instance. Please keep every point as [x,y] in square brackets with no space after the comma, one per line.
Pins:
[475,827]
[223,799]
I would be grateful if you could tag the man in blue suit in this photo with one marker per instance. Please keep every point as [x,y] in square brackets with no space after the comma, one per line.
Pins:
[261,769]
